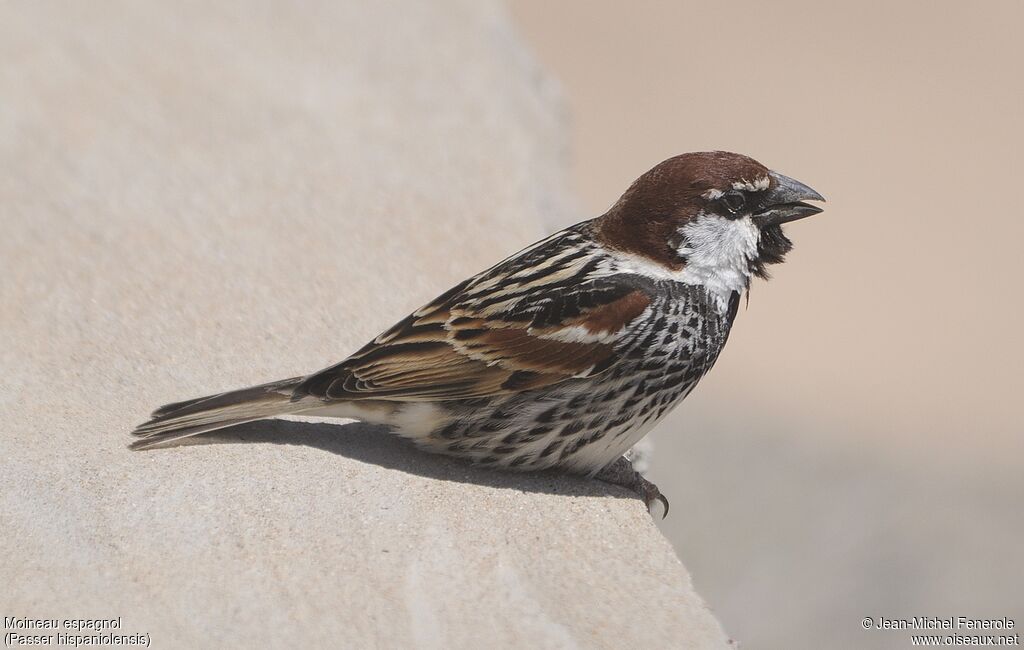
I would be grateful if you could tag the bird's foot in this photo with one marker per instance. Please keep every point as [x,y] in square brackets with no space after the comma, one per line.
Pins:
[621,473]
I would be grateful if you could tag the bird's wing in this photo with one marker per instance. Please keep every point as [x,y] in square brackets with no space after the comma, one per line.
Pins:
[543,316]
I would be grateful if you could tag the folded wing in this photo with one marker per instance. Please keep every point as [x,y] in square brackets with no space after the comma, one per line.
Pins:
[544,316]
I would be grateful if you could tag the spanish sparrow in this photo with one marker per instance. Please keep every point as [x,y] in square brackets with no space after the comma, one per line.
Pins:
[567,353]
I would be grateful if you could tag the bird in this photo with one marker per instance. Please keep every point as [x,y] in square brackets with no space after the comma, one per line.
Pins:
[566,354]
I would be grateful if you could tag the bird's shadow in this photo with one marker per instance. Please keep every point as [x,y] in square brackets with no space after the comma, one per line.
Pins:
[374,444]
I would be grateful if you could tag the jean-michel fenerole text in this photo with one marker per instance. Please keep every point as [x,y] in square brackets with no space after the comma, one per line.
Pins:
[948,623]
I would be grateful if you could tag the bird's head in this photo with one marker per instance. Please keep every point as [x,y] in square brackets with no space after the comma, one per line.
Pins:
[713,218]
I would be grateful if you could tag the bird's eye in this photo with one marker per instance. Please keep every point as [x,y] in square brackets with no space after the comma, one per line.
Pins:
[734,201]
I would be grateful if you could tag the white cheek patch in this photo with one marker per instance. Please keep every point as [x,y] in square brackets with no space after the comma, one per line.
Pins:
[718,253]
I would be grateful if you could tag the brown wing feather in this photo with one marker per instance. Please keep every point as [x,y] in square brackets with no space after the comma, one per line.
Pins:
[490,336]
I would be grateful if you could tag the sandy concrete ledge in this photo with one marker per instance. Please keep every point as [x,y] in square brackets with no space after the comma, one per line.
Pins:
[201,196]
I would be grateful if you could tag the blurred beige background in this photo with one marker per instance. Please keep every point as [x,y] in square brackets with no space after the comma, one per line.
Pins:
[858,449]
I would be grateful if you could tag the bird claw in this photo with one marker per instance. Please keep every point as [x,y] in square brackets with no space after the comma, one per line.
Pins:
[664,502]
[650,493]
[621,473]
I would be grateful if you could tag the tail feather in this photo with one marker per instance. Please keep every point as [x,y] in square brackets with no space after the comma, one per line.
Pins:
[202,415]
[160,438]
[285,387]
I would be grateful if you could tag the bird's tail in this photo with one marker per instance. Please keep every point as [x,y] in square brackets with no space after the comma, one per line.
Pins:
[189,418]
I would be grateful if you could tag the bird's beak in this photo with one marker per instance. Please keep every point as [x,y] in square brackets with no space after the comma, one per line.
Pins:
[784,201]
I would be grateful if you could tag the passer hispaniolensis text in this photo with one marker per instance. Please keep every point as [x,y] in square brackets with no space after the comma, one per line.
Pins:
[567,353]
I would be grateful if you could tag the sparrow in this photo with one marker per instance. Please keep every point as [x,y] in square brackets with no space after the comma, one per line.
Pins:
[567,353]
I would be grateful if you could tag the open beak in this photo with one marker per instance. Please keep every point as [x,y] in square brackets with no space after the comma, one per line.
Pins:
[784,202]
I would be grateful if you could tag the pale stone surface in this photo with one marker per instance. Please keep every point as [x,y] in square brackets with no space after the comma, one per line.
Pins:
[200,196]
